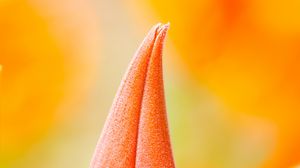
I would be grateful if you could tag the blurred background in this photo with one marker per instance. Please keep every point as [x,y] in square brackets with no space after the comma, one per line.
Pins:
[231,68]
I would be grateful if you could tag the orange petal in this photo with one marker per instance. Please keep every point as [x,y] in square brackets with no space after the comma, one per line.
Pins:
[136,132]
[153,147]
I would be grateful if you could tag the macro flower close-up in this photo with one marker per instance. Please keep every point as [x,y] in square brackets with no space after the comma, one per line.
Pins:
[215,87]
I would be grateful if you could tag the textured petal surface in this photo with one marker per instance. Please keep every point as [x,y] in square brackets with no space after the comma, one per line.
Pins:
[154,149]
[122,133]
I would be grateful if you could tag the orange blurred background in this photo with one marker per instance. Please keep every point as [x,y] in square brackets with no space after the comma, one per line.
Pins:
[232,78]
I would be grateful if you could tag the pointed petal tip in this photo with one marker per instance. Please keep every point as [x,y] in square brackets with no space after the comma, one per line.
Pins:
[161,35]
[164,27]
